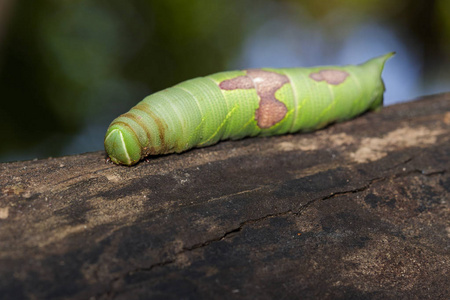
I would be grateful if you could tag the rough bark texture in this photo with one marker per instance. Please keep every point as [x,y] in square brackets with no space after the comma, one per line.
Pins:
[359,210]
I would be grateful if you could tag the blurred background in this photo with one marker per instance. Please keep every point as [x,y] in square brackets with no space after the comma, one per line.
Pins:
[68,68]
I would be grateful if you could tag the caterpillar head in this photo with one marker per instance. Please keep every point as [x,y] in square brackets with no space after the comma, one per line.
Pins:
[122,146]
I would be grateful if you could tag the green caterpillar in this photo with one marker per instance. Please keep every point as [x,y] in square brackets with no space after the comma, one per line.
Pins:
[232,105]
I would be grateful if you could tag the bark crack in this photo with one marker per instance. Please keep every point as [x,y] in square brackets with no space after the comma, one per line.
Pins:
[110,293]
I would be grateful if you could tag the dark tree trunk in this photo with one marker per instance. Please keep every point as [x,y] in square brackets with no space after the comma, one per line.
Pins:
[359,210]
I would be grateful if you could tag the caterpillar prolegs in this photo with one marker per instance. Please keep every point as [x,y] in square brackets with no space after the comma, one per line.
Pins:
[236,104]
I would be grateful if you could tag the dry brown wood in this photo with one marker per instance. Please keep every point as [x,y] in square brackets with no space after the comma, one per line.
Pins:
[357,210]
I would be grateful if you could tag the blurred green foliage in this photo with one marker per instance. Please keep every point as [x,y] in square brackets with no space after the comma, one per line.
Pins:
[65,65]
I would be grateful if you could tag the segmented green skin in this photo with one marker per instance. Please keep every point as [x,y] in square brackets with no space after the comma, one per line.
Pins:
[236,104]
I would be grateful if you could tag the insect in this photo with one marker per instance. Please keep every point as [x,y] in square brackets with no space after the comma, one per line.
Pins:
[236,104]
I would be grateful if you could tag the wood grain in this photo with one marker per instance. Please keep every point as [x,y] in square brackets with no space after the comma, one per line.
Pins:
[357,210]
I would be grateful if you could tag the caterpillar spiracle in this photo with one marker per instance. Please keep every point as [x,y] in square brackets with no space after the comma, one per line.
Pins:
[236,104]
